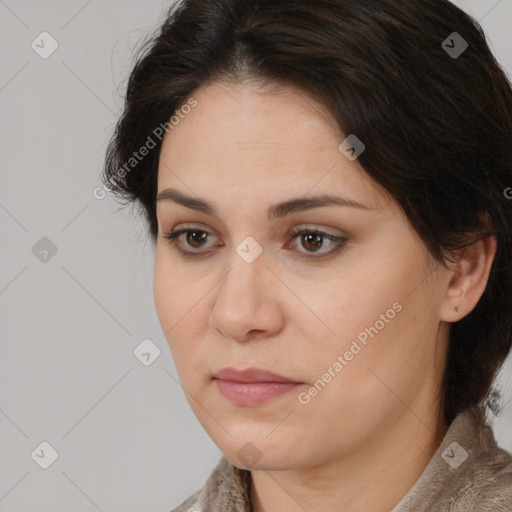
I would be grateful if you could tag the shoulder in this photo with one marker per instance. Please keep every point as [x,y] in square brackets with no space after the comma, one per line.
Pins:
[225,490]
[486,477]
[488,485]
[468,473]
[188,504]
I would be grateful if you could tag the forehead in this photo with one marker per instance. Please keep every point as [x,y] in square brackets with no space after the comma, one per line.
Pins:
[267,141]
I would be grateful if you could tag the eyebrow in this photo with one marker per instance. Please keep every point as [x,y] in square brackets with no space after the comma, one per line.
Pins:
[274,211]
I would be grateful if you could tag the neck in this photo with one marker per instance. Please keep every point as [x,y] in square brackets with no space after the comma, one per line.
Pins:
[371,479]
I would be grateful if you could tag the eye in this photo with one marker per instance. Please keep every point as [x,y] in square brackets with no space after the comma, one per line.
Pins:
[311,239]
[194,238]
[314,240]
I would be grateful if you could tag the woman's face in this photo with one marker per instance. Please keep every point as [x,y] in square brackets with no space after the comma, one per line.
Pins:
[353,321]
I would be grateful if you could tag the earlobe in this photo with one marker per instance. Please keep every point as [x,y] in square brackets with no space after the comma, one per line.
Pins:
[469,277]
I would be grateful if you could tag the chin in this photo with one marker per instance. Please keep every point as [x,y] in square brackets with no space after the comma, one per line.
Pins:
[259,451]
[262,460]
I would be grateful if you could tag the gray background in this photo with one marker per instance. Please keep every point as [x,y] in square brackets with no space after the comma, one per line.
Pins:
[125,436]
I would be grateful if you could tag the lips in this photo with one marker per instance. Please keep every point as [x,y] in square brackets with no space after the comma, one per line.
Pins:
[253,386]
[250,375]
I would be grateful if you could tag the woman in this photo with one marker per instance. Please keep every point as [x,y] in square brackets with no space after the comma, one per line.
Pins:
[325,184]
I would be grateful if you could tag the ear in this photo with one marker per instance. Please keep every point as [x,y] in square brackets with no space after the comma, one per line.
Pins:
[468,280]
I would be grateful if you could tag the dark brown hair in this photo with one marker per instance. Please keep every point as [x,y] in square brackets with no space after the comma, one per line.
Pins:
[435,116]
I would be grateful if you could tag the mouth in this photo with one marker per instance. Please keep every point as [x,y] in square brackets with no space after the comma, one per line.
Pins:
[253,386]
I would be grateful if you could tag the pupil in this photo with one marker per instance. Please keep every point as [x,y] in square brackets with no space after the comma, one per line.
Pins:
[309,238]
[194,234]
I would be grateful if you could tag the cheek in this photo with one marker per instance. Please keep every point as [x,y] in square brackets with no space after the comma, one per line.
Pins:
[352,301]
[371,304]
[164,292]
[178,305]
[171,300]
[174,293]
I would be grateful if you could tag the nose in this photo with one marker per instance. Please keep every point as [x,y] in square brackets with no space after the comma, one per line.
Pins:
[247,304]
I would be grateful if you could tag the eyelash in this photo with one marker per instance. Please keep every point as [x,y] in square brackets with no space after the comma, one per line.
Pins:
[297,232]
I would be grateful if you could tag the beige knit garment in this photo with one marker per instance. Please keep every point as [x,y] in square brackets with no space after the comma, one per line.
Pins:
[467,473]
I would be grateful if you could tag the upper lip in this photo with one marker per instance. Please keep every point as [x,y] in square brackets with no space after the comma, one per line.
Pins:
[250,375]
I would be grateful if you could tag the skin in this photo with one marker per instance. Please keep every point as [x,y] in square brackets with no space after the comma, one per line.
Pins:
[366,437]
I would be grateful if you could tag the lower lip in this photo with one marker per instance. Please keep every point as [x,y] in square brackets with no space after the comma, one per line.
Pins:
[253,393]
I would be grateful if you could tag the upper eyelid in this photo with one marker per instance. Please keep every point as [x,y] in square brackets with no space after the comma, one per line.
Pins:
[303,226]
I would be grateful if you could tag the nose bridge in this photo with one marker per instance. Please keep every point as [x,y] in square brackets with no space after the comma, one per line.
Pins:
[247,272]
[244,301]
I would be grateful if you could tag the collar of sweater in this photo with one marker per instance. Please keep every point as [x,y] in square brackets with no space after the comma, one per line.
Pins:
[468,472]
